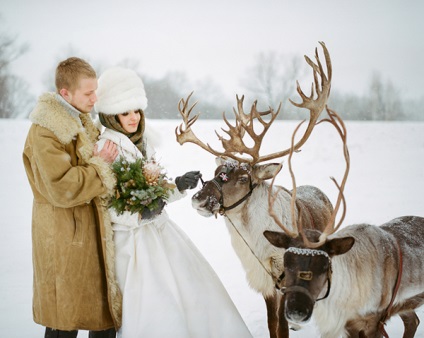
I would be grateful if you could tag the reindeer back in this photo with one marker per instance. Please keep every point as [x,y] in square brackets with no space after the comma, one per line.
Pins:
[314,207]
[408,232]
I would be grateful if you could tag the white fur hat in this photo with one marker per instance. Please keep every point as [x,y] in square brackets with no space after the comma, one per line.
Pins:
[120,90]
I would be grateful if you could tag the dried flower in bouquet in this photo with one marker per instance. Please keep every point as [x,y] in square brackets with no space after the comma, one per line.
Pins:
[140,185]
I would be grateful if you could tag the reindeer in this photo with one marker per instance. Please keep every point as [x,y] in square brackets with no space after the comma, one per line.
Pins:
[239,190]
[352,281]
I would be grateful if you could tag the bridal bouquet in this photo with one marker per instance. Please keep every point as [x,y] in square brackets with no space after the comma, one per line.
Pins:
[140,184]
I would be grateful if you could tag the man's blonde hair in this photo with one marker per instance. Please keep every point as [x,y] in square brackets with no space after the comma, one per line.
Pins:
[70,71]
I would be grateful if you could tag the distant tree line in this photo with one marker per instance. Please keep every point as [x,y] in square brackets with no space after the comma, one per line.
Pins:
[270,80]
[273,77]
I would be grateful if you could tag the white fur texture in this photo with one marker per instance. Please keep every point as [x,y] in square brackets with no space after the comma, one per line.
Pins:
[120,90]
[360,286]
[259,221]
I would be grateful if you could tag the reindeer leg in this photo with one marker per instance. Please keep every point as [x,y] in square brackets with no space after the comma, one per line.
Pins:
[275,327]
[271,312]
[411,322]
[283,325]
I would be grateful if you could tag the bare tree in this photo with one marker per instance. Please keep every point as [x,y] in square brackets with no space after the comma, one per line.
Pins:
[384,101]
[15,99]
[394,106]
[271,79]
[164,94]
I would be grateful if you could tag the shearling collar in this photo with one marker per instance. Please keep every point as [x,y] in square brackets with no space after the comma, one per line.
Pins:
[55,114]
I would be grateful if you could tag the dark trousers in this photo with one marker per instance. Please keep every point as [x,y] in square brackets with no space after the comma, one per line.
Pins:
[50,333]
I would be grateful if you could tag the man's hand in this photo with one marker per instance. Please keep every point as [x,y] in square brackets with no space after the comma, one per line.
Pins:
[108,152]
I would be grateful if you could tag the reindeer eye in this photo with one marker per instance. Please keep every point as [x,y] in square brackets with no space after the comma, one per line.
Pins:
[243,179]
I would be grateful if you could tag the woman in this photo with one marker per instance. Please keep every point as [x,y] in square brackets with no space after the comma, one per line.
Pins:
[169,289]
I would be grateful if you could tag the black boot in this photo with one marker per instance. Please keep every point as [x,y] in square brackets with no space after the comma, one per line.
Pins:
[111,333]
[51,333]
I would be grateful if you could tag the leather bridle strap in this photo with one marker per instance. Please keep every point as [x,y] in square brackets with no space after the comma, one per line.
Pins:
[299,289]
[395,290]
[218,185]
[223,209]
[285,290]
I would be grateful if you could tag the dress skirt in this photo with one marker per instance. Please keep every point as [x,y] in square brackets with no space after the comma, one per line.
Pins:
[169,289]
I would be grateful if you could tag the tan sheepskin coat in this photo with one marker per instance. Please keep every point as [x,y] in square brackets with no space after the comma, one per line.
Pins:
[73,253]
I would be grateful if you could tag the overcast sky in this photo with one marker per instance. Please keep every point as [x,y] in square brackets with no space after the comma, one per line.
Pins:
[220,38]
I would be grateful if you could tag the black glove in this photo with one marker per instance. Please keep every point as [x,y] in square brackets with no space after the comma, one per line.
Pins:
[147,213]
[188,180]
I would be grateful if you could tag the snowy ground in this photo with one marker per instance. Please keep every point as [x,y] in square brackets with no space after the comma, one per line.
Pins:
[386,181]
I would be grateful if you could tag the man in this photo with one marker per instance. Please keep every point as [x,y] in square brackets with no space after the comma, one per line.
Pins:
[74,284]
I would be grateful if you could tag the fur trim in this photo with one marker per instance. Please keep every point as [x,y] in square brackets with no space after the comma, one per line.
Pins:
[98,124]
[120,90]
[112,282]
[91,129]
[106,174]
[109,180]
[52,115]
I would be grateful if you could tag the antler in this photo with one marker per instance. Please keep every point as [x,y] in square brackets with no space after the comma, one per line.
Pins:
[338,123]
[235,145]
[244,123]
[315,106]
[187,135]
[315,103]
[297,225]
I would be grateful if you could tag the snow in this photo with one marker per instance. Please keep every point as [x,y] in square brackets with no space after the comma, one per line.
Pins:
[386,180]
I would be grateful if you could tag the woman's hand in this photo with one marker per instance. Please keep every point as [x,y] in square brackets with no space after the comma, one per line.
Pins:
[188,181]
[148,214]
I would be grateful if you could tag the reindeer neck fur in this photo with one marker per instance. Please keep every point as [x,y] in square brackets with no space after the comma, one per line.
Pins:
[251,219]
[364,277]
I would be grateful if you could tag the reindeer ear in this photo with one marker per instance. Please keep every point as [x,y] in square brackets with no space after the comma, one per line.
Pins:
[339,246]
[266,171]
[278,239]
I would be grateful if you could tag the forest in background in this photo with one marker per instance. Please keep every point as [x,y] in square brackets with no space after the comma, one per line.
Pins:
[270,80]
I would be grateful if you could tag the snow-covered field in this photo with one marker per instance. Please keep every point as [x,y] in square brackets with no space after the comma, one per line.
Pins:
[386,180]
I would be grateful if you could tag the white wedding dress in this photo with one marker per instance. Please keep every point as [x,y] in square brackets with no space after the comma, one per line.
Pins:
[168,287]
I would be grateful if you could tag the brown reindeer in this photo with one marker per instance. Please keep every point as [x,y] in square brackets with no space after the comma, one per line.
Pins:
[352,281]
[239,190]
